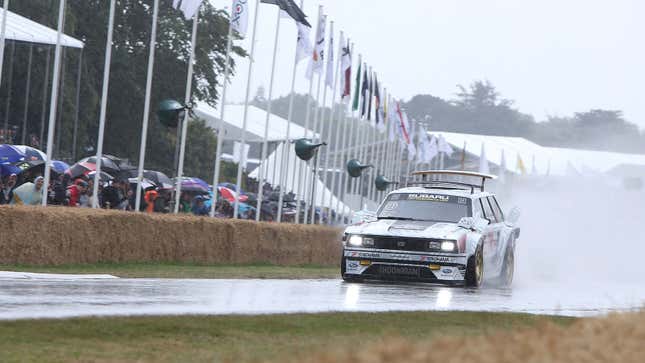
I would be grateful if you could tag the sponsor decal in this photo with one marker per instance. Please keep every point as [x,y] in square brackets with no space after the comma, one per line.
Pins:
[462,200]
[446,271]
[391,206]
[428,197]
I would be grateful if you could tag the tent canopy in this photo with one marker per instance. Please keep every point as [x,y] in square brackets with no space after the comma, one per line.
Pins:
[22,29]
[548,160]
[255,123]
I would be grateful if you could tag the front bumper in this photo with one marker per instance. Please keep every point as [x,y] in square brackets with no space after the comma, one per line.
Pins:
[373,264]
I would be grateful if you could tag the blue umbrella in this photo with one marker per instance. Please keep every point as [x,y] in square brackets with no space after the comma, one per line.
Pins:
[8,169]
[59,166]
[194,185]
[18,153]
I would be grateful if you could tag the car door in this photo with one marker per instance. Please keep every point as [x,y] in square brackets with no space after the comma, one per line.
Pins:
[492,242]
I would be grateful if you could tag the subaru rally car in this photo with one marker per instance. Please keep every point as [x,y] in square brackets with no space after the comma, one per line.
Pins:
[439,231]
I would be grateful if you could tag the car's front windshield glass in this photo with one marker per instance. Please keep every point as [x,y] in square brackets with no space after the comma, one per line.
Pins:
[425,207]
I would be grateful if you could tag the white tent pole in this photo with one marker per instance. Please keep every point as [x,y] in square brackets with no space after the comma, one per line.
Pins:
[104,98]
[77,101]
[263,171]
[187,99]
[53,102]
[7,106]
[146,106]
[220,124]
[240,166]
[286,150]
[330,127]
[3,34]
[27,94]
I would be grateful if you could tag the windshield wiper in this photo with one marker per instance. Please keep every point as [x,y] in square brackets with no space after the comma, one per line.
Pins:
[398,218]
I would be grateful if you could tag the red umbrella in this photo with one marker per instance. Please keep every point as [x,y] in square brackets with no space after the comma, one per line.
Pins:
[227,194]
[79,169]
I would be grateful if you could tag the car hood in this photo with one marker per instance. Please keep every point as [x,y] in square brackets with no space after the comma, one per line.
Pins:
[421,229]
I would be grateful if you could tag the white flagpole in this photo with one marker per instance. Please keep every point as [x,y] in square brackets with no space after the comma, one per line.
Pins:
[146,105]
[329,127]
[104,98]
[53,101]
[264,165]
[341,162]
[245,118]
[349,128]
[354,138]
[220,124]
[3,33]
[308,176]
[187,99]
[301,176]
[286,150]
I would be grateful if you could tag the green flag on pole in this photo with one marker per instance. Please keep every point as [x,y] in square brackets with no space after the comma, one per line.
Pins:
[357,88]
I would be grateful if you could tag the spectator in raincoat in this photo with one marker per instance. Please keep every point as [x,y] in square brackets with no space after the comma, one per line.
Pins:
[8,188]
[198,208]
[29,193]
[150,198]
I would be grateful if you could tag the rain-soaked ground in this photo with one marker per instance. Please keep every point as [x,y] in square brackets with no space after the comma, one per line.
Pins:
[54,298]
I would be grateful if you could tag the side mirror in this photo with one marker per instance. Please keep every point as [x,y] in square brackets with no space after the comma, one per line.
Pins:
[513,216]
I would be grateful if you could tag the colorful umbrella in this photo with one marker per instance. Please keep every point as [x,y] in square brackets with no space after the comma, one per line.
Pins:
[194,185]
[229,195]
[59,166]
[80,169]
[18,153]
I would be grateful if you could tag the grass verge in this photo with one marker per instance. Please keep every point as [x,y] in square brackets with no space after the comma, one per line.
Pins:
[236,338]
[187,271]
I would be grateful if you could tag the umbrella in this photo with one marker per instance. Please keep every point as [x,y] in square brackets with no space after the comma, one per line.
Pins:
[113,165]
[18,153]
[105,177]
[37,166]
[59,166]
[106,163]
[80,169]
[231,186]
[145,183]
[194,185]
[159,178]
[227,194]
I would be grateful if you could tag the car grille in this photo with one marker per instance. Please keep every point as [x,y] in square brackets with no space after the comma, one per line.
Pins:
[404,244]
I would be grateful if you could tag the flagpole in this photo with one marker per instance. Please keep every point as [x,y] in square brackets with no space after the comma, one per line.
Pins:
[187,99]
[264,165]
[302,187]
[104,97]
[329,127]
[54,98]
[286,151]
[340,195]
[349,127]
[3,34]
[313,136]
[245,118]
[146,106]
[220,124]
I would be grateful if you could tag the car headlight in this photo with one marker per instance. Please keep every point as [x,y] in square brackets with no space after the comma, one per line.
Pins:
[368,242]
[356,240]
[447,246]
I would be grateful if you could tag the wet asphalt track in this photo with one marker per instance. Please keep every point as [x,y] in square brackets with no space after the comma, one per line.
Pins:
[49,297]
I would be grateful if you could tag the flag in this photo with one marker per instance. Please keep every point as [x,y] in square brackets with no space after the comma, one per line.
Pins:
[240,16]
[412,149]
[378,117]
[317,59]
[346,70]
[369,99]
[357,98]
[239,155]
[463,157]
[520,165]
[303,47]
[534,168]
[188,7]
[444,147]
[430,150]
[329,76]
[364,88]
[483,161]
[393,125]
[403,122]
[289,7]
[502,169]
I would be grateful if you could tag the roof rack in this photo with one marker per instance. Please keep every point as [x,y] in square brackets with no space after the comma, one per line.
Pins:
[439,183]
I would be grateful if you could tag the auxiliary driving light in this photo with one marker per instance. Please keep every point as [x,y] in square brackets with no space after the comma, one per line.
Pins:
[356,240]
[434,267]
[368,242]
[447,246]
[365,263]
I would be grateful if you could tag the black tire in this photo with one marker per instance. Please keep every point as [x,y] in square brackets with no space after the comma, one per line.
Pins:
[475,269]
[345,277]
[505,278]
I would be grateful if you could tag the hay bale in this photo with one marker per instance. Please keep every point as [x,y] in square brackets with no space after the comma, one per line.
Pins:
[58,236]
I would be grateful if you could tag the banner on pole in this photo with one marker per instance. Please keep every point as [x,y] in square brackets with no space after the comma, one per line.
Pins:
[240,16]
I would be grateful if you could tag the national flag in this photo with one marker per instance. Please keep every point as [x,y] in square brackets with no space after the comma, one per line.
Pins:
[357,88]
[346,70]
[290,7]
[393,117]
[240,16]
[188,7]
[303,47]
[483,161]
[364,88]
[403,122]
[329,76]
[412,149]
[430,149]
[520,165]
[369,99]
[317,59]
[378,117]
[444,147]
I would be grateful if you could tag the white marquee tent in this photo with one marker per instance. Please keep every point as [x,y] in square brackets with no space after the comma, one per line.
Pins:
[22,29]
[548,160]
[272,173]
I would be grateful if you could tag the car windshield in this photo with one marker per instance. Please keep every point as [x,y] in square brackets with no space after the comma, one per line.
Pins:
[425,207]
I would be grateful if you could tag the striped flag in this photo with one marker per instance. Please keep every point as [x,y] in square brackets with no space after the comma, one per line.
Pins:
[346,70]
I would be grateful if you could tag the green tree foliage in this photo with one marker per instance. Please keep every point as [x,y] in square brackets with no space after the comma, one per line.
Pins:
[87,20]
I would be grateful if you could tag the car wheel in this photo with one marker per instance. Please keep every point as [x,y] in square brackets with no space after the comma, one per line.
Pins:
[346,278]
[475,269]
[508,269]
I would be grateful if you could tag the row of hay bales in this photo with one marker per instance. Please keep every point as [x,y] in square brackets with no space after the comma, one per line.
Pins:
[62,236]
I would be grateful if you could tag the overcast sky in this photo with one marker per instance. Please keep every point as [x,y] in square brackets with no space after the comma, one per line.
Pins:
[553,57]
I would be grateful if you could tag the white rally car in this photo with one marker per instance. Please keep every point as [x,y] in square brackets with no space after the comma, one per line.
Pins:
[448,232]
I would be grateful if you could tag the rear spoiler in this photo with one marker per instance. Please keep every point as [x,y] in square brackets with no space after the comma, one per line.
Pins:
[431,183]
